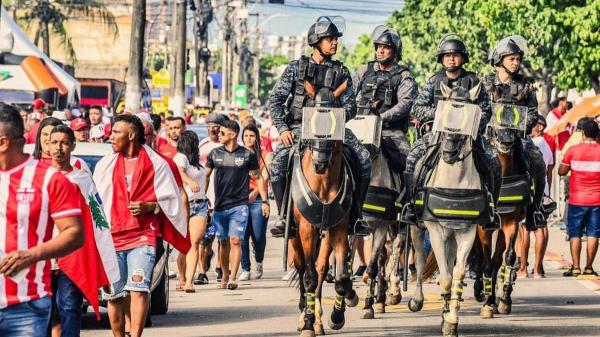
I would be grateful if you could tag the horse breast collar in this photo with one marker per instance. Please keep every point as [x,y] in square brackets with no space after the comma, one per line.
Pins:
[319,214]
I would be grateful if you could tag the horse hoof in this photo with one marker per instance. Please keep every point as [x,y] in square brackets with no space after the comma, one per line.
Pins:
[307,333]
[449,329]
[487,312]
[504,308]
[336,326]
[415,306]
[379,308]
[319,331]
[368,313]
[393,299]
[352,302]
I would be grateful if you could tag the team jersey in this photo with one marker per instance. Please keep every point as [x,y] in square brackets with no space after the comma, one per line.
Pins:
[584,185]
[32,196]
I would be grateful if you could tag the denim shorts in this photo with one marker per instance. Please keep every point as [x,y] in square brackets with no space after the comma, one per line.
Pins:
[582,218]
[231,222]
[135,266]
[28,319]
[199,209]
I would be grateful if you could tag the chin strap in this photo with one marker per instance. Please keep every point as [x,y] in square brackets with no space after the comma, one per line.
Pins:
[510,72]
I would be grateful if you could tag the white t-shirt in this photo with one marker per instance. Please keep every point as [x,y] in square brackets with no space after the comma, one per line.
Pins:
[544,148]
[194,173]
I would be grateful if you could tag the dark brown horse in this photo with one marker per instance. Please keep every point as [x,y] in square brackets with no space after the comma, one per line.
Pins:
[322,176]
[497,267]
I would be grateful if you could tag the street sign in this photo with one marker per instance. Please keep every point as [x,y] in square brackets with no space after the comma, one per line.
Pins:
[161,78]
[240,96]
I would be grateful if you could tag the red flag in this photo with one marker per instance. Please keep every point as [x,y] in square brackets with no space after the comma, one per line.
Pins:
[84,266]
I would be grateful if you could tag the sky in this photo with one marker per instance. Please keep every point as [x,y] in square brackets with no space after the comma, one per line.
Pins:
[296,16]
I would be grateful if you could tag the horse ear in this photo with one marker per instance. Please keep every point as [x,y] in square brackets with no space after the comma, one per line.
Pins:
[310,89]
[474,92]
[340,90]
[446,91]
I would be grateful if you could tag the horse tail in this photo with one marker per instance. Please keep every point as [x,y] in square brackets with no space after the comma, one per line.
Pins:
[430,266]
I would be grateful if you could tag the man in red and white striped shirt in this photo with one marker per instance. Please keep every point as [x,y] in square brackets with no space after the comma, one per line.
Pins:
[33,198]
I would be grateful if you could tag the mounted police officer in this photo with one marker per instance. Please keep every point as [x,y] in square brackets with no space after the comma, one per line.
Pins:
[453,54]
[507,86]
[289,96]
[387,89]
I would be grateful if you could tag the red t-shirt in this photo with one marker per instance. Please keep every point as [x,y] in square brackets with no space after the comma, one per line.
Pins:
[166,149]
[584,160]
[561,139]
[33,195]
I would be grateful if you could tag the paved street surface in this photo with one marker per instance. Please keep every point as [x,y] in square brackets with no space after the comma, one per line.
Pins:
[554,306]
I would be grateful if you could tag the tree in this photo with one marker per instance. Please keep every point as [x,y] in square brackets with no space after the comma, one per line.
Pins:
[51,17]
[133,91]
[267,74]
[361,54]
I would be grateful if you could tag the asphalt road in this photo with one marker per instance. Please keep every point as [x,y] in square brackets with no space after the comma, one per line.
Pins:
[554,306]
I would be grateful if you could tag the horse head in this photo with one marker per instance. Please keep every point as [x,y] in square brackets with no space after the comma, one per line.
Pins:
[323,150]
[452,143]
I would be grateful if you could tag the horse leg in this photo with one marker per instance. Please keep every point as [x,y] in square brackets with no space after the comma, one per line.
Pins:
[440,244]
[322,266]
[418,240]
[463,240]
[379,305]
[343,283]
[485,241]
[477,264]
[309,237]
[373,269]
[300,268]
[394,295]
[509,228]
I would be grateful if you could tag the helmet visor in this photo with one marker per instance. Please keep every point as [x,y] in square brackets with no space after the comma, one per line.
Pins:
[382,30]
[328,24]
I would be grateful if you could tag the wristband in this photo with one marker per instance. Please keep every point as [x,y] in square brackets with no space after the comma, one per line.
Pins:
[265,202]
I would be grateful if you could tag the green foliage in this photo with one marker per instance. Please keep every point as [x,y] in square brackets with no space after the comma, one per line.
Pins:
[362,53]
[267,74]
[563,36]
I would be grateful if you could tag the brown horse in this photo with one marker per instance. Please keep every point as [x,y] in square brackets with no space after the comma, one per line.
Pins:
[321,177]
[514,198]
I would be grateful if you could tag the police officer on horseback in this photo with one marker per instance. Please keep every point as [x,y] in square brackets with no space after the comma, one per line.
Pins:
[507,86]
[289,96]
[387,89]
[453,54]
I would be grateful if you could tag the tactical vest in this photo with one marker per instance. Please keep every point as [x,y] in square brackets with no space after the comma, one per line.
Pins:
[515,92]
[378,93]
[466,80]
[328,75]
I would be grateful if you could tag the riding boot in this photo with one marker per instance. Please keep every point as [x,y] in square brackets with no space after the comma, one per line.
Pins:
[409,214]
[361,227]
[279,193]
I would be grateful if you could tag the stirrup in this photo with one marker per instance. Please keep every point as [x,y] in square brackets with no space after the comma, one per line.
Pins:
[361,228]
[279,230]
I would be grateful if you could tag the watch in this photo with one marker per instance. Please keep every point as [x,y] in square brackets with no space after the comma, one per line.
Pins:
[156,208]
[265,202]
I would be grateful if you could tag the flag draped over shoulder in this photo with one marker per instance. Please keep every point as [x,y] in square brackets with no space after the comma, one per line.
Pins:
[94,265]
[153,180]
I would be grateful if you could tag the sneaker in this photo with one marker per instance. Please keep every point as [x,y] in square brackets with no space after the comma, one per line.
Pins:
[589,271]
[572,272]
[290,273]
[562,226]
[360,271]
[219,274]
[201,279]
[244,276]
[259,270]
[172,274]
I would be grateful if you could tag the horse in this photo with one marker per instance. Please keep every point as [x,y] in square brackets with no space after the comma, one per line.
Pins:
[379,210]
[514,197]
[452,200]
[321,188]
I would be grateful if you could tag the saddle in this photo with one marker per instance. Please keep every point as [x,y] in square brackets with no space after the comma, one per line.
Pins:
[322,215]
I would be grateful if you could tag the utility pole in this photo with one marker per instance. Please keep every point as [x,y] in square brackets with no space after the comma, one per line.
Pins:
[256,60]
[226,58]
[178,99]
[240,62]
[203,19]
[135,69]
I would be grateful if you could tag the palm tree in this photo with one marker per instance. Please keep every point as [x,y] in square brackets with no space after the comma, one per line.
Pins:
[50,16]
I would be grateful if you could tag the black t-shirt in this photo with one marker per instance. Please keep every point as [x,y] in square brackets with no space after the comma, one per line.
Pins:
[232,175]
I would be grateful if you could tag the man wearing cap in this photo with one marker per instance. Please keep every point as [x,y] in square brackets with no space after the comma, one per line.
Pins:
[33,120]
[82,130]
[289,97]
[452,54]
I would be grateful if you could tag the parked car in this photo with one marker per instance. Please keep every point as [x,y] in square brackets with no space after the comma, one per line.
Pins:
[91,153]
